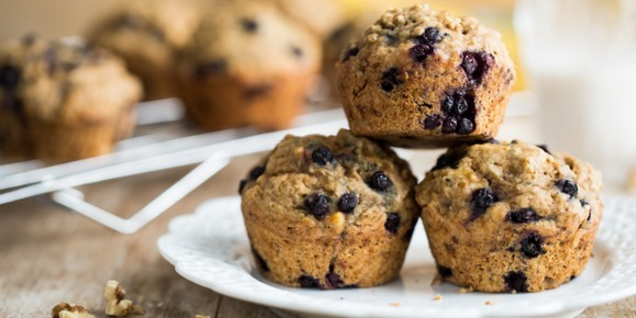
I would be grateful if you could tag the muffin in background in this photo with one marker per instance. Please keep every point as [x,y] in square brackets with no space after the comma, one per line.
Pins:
[341,38]
[321,17]
[146,34]
[14,57]
[510,217]
[70,101]
[329,212]
[247,64]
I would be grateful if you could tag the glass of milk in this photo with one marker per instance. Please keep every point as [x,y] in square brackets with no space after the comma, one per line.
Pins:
[580,57]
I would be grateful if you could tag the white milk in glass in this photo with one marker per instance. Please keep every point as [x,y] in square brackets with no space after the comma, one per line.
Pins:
[581,60]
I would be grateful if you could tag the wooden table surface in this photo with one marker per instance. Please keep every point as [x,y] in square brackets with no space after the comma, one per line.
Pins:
[50,255]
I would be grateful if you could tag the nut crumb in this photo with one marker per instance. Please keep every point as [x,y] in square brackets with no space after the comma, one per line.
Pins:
[394,304]
[438,297]
[489,303]
[466,290]
[66,310]
[116,305]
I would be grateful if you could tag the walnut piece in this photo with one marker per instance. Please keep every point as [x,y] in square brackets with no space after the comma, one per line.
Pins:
[66,310]
[116,304]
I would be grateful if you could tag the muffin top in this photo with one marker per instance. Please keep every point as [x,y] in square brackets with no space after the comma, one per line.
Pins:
[251,41]
[322,185]
[65,81]
[170,22]
[514,183]
[433,39]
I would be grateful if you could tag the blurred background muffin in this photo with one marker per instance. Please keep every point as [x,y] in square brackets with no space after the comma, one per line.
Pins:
[321,17]
[14,56]
[146,33]
[68,101]
[247,64]
[340,38]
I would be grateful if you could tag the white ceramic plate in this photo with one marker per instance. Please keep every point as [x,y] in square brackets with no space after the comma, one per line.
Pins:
[210,248]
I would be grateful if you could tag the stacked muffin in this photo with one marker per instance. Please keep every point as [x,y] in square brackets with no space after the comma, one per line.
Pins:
[500,217]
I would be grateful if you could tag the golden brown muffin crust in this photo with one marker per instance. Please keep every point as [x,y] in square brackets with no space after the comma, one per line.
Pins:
[423,78]
[510,216]
[301,221]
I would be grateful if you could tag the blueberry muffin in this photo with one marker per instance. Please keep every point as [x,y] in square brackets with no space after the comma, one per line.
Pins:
[69,101]
[146,35]
[247,65]
[423,78]
[14,56]
[329,212]
[510,217]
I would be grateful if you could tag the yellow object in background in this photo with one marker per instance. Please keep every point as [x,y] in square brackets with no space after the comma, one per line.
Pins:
[496,14]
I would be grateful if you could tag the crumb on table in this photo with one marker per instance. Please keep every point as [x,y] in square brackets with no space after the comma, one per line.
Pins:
[394,304]
[489,303]
[438,297]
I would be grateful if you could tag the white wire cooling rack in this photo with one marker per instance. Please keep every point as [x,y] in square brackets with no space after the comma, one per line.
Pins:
[160,150]
[147,153]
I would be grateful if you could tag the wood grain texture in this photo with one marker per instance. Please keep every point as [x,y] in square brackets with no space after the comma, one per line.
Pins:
[49,255]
